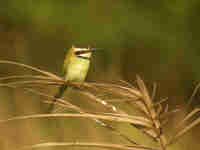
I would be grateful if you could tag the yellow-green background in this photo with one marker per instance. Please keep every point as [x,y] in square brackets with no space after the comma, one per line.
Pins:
[159,40]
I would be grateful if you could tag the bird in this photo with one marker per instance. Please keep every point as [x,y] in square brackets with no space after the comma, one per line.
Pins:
[75,68]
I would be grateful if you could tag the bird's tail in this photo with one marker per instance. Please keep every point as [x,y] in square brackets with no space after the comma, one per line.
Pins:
[58,95]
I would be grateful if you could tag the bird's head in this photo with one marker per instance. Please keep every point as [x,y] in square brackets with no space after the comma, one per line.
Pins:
[84,53]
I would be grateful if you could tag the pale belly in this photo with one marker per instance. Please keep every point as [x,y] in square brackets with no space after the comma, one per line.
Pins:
[78,70]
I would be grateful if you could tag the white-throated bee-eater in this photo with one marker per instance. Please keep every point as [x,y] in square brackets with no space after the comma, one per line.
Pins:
[75,68]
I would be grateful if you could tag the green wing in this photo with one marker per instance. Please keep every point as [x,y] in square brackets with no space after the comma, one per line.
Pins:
[65,66]
[66,62]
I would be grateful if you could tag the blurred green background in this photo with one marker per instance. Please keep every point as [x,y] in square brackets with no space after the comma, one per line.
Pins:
[159,40]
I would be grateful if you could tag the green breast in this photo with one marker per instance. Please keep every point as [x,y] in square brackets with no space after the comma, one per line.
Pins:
[77,69]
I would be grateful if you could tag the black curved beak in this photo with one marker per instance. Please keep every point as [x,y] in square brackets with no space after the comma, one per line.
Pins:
[95,49]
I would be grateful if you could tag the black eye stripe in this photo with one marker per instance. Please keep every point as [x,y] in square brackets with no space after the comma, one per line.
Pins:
[82,52]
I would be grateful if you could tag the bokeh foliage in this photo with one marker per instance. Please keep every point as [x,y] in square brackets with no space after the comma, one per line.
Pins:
[158,40]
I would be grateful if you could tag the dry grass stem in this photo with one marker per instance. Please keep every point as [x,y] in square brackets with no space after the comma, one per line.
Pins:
[133,120]
[84,144]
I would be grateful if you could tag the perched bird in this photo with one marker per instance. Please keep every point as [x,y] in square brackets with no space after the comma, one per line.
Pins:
[75,68]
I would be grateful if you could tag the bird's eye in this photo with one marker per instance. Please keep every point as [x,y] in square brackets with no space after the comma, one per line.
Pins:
[78,53]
